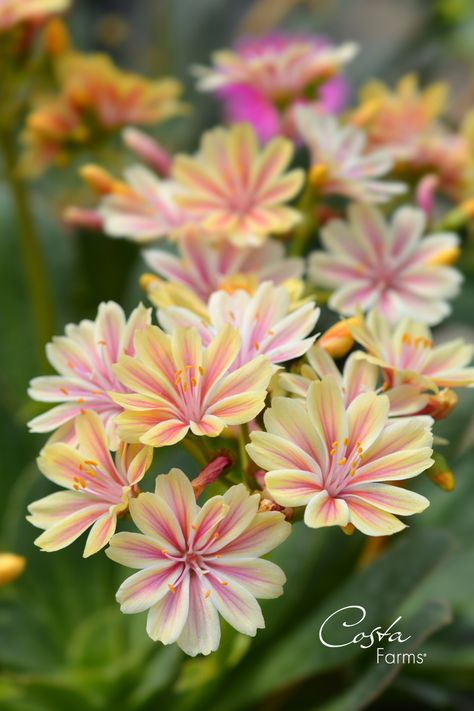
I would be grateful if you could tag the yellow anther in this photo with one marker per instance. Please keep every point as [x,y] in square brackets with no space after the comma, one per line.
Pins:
[82,483]
[346,441]
[207,593]
[256,345]
[178,372]
[201,370]
[91,462]
[185,387]
[223,582]
[406,339]
[193,382]
[172,588]
[270,333]
[342,461]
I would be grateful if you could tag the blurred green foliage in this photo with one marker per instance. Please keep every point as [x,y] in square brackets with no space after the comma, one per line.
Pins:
[63,642]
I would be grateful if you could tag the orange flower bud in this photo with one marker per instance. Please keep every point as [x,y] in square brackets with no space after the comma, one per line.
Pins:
[440,405]
[338,340]
[318,175]
[11,567]
[56,37]
[440,473]
[102,182]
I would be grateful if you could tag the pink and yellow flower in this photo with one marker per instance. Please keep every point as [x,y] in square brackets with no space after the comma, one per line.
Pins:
[335,459]
[83,358]
[407,355]
[195,563]
[144,212]
[370,263]
[99,489]
[358,376]
[264,320]
[95,99]
[12,12]
[204,268]
[265,77]
[179,385]
[342,163]
[236,190]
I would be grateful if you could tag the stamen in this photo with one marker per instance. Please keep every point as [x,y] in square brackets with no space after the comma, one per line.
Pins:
[201,370]
[91,462]
[342,461]
[64,390]
[346,441]
[223,582]
[207,593]
[256,346]
[172,588]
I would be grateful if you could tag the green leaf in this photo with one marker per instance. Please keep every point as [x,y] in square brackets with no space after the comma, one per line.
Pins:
[380,588]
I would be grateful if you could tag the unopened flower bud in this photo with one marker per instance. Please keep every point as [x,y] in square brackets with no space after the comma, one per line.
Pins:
[318,175]
[338,340]
[82,218]
[425,193]
[440,405]
[11,567]
[56,37]
[440,473]
[148,150]
[101,181]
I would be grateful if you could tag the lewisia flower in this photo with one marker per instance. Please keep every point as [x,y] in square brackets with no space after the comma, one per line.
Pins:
[266,324]
[236,190]
[342,164]
[397,120]
[144,212]
[265,77]
[98,488]
[84,358]
[198,562]
[95,99]
[359,375]
[203,267]
[407,355]
[335,460]
[12,12]
[406,122]
[371,263]
[179,385]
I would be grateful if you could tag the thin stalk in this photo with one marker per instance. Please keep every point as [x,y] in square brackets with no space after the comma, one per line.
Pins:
[195,450]
[33,263]
[305,229]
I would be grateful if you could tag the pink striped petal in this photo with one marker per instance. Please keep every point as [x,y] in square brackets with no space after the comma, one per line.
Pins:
[68,529]
[144,589]
[167,617]
[204,525]
[267,530]
[292,487]
[327,412]
[236,605]
[135,550]
[155,518]
[176,490]
[394,499]
[100,534]
[270,451]
[164,434]
[371,520]
[324,510]
[201,632]
[261,578]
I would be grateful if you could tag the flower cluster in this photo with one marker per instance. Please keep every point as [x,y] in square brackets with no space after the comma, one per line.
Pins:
[284,215]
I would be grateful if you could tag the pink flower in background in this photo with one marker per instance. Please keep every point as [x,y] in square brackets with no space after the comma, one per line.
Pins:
[84,358]
[98,488]
[198,562]
[204,267]
[265,321]
[335,460]
[370,263]
[179,385]
[145,213]
[265,77]
[342,164]
[236,189]
[358,376]
[407,355]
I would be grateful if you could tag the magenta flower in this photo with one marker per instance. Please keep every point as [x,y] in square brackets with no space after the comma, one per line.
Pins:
[265,320]
[336,460]
[198,562]
[370,263]
[99,489]
[84,358]
[204,267]
[266,77]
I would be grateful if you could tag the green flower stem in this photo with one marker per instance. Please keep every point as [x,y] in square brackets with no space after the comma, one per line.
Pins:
[33,262]
[194,448]
[306,228]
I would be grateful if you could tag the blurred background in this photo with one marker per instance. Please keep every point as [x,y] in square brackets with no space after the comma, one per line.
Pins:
[63,642]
